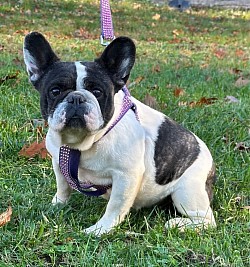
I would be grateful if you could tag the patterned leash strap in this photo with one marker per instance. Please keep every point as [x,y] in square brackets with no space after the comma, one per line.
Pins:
[126,106]
[107,32]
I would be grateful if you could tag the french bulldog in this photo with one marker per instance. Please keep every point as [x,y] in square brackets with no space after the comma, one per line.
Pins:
[131,154]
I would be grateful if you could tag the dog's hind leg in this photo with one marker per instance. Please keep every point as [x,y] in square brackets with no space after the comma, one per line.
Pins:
[192,201]
[192,198]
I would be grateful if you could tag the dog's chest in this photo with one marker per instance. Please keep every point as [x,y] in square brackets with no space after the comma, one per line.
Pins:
[94,168]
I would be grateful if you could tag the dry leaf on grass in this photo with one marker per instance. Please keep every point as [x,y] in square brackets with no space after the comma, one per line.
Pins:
[240,53]
[235,71]
[35,149]
[201,102]
[241,82]
[156,17]
[150,101]
[156,68]
[85,34]
[241,146]
[9,77]
[5,216]
[177,32]
[179,92]
[135,82]
[136,6]
[220,53]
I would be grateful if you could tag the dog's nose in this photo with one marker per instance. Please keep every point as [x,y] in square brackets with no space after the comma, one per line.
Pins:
[76,99]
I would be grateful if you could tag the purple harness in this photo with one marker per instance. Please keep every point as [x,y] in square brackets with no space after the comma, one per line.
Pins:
[69,158]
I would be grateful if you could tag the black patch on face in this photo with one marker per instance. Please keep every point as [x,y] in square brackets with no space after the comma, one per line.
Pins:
[60,76]
[175,150]
[98,80]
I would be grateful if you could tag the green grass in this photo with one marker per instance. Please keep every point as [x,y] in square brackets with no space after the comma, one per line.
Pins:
[196,51]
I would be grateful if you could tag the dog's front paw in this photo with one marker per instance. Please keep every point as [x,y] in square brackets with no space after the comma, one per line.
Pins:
[97,229]
[59,199]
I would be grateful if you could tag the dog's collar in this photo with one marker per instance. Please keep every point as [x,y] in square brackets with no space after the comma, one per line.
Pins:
[69,158]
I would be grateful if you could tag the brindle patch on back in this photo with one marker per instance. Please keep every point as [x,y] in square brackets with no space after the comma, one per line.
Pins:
[211,178]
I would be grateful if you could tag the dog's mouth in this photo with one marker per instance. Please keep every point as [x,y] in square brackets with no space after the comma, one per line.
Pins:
[75,122]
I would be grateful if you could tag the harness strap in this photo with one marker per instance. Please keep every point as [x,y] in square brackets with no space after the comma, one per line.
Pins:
[126,106]
[69,161]
[69,158]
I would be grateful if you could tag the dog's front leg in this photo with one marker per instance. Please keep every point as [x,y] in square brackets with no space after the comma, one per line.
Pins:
[123,194]
[63,189]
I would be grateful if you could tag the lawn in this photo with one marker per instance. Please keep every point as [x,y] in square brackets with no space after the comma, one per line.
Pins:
[195,67]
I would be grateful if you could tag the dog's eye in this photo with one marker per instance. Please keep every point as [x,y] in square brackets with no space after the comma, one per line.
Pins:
[55,92]
[97,93]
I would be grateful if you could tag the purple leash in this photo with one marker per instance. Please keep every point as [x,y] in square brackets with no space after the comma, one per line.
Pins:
[107,32]
[69,158]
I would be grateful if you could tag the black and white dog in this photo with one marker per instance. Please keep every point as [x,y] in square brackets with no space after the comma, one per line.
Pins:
[130,154]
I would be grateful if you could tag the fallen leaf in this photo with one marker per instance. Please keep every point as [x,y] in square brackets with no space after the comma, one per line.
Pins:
[175,40]
[23,32]
[150,101]
[139,79]
[35,149]
[241,146]
[206,101]
[179,92]
[135,82]
[151,39]
[231,99]
[136,6]
[156,17]
[85,34]
[183,104]
[9,77]
[220,53]
[239,53]
[202,101]
[5,216]
[240,82]
[176,32]
[235,71]
[156,68]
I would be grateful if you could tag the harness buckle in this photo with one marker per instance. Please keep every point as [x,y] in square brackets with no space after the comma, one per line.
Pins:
[105,42]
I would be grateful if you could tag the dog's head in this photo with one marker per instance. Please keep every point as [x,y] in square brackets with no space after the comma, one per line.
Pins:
[77,95]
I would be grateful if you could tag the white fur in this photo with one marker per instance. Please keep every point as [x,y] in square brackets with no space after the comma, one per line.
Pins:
[31,65]
[125,158]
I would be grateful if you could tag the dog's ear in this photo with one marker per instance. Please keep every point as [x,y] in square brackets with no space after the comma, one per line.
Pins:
[118,58]
[38,55]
